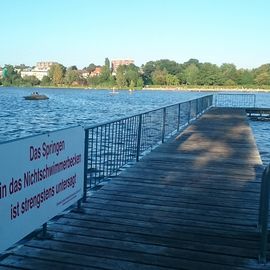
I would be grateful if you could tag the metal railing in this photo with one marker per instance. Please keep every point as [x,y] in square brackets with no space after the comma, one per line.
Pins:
[235,100]
[113,145]
[264,213]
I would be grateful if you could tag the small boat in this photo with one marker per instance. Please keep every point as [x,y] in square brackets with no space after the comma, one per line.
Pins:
[36,96]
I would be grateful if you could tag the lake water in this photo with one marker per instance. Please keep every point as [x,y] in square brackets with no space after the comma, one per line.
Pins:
[69,107]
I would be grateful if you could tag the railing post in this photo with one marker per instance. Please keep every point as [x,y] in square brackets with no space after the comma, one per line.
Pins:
[163,125]
[79,204]
[189,110]
[179,117]
[86,145]
[263,214]
[139,138]
[44,233]
[44,229]
[197,107]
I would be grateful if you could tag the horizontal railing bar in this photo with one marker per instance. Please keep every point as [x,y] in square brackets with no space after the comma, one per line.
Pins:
[136,115]
[235,100]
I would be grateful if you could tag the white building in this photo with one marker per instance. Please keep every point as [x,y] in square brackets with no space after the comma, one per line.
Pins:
[39,71]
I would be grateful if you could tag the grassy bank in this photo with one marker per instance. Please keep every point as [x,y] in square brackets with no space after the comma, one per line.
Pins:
[159,87]
[210,88]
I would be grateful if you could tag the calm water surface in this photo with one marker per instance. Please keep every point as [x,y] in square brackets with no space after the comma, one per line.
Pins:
[69,107]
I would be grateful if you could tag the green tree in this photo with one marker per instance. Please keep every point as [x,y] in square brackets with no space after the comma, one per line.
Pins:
[21,67]
[107,63]
[72,76]
[132,85]
[131,74]
[31,81]
[120,79]
[90,68]
[57,73]
[229,73]
[191,74]
[93,81]
[152,70]
[229,82]
[148,69]
[46,81]
[128,75]
[73,68]
[263,78]
[191,61]
[171,66]
[105,71]
[262,75]
[11,76]
[171,80]
[159,77]
[245,77]
[209,74]
[140,83]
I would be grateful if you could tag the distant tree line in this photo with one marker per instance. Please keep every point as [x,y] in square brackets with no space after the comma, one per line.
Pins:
[161,73]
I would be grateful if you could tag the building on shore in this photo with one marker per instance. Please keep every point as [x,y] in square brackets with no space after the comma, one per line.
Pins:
[44,65]
[39,71]
[85,74]
[96,72]
[120,62]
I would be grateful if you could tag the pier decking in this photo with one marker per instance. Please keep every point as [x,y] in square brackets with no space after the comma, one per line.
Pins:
[192,203]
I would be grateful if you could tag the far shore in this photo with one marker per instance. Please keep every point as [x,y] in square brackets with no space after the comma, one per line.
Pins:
[214,89]
[156,88]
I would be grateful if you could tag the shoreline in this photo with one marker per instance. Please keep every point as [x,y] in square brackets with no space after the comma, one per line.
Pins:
[217,89]
[192,89]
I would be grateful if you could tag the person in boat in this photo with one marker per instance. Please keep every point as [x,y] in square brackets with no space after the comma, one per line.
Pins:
[35,93]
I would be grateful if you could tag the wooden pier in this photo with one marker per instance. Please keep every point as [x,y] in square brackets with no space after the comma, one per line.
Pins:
[190,204]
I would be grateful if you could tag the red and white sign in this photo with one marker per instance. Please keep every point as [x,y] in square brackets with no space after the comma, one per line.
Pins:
[40,176]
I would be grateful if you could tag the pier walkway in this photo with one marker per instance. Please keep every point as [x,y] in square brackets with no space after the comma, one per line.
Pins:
[192,203]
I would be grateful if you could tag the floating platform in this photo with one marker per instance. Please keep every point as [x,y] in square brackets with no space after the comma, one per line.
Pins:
[258,114]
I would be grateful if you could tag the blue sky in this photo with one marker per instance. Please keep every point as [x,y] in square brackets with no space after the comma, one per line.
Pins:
[79,32]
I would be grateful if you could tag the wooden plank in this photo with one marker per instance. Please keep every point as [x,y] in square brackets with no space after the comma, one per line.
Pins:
[29,262]
[172,232]
[80,260]
[178,204]
[225,203]
[150,244]
[180,261]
